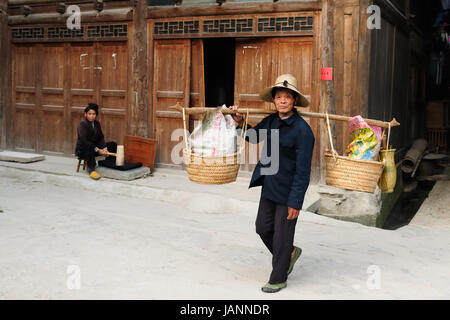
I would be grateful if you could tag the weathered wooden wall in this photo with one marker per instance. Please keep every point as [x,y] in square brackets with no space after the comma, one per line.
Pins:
[5,73]
[349,43]
[391,92]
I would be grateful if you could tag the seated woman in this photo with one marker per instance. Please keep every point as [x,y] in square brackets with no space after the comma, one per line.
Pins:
[91,142]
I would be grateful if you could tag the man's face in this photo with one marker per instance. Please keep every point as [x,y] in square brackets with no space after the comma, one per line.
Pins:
[90,115]
[284,101]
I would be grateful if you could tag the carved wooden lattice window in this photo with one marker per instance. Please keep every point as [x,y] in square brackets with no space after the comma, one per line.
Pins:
[62,33]
[27,33]
[207,26]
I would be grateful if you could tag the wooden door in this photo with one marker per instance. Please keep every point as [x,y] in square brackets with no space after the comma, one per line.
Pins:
[112,96]
[259,62]
[171,78]
[99,75]
[24,95]
[54,82]
[52,125]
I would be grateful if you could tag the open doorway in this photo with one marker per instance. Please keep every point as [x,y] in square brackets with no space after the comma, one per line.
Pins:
[219,64]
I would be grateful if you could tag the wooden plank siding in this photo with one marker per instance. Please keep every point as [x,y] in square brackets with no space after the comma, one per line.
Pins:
[389,80]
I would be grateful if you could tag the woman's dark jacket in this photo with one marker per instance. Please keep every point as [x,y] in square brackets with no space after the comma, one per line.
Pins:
[89,137]
[289,183]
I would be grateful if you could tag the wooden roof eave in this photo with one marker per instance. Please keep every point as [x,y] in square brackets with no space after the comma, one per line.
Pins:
[119,14]
[231,8]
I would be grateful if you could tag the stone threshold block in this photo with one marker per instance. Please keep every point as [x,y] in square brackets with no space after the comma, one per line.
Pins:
[21,157]
[127,175]
[348,205]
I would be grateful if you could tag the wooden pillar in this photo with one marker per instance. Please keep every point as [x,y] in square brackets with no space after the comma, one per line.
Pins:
[151,110]
[5,73]
[327,97]
[139,102]
[363,59]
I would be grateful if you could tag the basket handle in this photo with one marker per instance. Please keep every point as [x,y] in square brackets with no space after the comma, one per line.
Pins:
[244,132]
[389,135]
[185,135]
[333,152]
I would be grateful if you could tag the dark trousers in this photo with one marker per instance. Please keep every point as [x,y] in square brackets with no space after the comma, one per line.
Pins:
[88,153]
[277,233]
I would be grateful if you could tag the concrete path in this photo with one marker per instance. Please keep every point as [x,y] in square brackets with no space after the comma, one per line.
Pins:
[435,210]
[65,236]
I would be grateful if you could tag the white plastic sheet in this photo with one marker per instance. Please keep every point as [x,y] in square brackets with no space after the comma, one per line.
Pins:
[215,135]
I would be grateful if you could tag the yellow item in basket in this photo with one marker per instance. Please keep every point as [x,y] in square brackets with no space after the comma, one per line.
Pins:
[366,140]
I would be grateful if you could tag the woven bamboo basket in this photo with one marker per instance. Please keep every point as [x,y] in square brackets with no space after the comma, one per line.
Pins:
[351,174]
[220,169]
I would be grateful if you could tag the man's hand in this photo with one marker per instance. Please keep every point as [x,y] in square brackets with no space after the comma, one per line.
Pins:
[292,213]
[239,118]
[103,152]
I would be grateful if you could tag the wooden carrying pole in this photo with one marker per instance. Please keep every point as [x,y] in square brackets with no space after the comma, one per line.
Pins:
[200,110]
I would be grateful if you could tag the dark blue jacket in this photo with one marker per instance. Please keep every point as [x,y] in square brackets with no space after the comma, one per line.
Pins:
[289,183]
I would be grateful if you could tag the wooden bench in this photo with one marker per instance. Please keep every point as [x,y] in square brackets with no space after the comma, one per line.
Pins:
[79,164]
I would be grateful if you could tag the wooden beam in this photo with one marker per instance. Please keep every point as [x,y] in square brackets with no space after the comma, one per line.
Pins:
[121,14]
[200,110]
[38,2]
[231,8]
[5,73]
[21,2]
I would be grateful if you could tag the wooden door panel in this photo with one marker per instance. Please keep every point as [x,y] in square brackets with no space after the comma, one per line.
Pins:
[112,68]
[25,129]
[197,95]
[252,74]
[294,56]
[24,97]
[52,123]
[172,60]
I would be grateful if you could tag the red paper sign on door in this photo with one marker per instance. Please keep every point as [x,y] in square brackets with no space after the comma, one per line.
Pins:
[326,74]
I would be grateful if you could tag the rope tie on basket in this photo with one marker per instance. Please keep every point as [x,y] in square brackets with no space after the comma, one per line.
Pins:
[333,152]
[243,133]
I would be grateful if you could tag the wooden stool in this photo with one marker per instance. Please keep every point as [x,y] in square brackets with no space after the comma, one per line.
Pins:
[79,163]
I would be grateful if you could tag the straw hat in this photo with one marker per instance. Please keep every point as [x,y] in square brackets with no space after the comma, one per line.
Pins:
[286,81]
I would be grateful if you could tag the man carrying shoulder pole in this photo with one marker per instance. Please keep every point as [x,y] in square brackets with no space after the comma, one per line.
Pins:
[283,190]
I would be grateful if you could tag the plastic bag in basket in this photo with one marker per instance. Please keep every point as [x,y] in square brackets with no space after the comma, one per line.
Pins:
[366,139]
[215,135]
